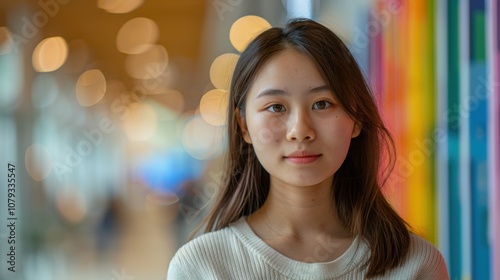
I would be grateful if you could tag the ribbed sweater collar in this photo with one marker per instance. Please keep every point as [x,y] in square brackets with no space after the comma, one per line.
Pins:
[355,256]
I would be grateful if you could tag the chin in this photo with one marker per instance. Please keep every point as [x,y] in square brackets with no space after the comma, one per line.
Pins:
[308,182]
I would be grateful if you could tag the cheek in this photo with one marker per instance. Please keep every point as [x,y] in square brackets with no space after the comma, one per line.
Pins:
[340,130]
[265,131]
[278,127]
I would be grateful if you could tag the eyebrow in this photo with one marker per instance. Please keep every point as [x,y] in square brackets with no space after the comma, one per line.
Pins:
[278,92]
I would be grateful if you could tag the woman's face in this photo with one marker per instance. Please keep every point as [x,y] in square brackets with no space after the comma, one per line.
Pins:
[299,132]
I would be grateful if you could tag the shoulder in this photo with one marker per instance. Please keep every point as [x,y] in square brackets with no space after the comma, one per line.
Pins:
[424,260]
[203,255]
[215,239]
[422,249]
[204,245]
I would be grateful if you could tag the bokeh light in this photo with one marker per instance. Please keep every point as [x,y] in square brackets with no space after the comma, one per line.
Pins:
[90,87]
[213,107]
[5,40]
[44,90]
[222,70]
[202,140]
[115,88]
[38,162]
[137,35]
[168,172]
[245,29]
[147,65]
[119,6]
[141,123]
[71,205]
[50,54]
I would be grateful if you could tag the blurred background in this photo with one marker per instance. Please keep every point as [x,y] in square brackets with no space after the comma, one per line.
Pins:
[112,123]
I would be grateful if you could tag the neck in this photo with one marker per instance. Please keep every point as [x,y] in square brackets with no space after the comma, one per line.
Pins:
[298,211]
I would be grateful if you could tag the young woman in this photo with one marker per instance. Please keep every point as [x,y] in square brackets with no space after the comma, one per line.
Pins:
[301,198]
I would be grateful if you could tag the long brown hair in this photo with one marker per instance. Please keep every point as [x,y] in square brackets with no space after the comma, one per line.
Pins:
[360,204]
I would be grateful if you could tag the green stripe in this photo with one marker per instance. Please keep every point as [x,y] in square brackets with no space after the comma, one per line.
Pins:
[479,41]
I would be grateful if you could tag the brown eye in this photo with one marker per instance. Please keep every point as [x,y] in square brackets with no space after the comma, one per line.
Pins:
[276,108]
[320,105]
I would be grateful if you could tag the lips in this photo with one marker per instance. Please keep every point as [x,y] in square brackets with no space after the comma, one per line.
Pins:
[302,157]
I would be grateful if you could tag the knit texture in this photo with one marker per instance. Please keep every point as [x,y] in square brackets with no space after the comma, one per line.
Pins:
[235,252]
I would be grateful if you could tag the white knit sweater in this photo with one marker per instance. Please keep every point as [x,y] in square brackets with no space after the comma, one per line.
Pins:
[235,252]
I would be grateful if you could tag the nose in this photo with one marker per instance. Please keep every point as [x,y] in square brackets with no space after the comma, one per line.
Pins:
[300,128]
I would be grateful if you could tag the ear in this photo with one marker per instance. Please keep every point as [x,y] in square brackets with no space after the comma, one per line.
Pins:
[356,130]
[240,118]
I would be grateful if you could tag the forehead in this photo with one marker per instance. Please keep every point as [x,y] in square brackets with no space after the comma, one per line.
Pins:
[288,68]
